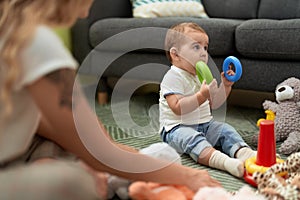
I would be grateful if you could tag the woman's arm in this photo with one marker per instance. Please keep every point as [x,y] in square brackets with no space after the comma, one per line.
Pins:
[75,127]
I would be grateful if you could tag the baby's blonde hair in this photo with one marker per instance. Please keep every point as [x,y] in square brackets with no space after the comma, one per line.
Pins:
[18,21]
[175,36]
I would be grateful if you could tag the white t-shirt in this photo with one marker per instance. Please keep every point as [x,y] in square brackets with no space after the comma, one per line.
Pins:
[46,53]
[178,81]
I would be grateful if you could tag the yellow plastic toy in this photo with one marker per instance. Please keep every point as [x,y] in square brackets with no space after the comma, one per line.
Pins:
[270,115]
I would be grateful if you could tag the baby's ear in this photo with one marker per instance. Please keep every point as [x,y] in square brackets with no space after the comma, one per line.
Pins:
[173,53]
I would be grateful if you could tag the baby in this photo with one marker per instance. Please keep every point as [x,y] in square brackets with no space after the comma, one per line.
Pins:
[186,122]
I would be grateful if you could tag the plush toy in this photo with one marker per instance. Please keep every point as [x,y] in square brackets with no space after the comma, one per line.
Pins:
[119,186]
[245,193]
[163,151]
[273,186]
[287,115]
[140,190]
[154,191]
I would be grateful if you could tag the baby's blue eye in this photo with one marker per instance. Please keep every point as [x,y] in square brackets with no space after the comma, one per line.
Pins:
[196,47]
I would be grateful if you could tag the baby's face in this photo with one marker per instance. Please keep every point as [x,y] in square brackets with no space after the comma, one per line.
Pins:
[194,49]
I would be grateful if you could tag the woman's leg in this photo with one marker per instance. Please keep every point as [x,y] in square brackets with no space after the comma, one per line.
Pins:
[59,180]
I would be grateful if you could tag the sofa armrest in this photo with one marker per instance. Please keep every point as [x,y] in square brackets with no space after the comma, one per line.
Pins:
[80,40]
[108,9]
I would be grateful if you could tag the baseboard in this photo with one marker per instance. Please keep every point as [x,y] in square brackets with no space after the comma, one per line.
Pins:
[249,98]
[237,97]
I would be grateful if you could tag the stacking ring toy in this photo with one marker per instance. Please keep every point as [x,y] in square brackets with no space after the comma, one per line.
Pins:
[237,65]
[203,72]
[266,153]
[251,166]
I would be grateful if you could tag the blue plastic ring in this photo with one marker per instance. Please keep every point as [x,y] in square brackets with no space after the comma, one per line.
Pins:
[237,65]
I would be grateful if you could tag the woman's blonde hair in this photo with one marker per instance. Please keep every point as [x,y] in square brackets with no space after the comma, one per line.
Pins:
[18,21]
[175,36]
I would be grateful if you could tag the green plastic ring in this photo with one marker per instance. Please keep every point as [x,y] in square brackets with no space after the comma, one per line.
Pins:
[203,72]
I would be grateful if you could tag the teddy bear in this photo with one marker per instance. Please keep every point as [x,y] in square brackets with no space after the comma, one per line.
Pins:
[287,115]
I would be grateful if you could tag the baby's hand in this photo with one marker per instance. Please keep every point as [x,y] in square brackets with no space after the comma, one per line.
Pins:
[225,81]
[213,85]
[204,90]
[230,72]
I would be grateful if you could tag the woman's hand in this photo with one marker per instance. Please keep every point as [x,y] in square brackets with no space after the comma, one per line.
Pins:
[201,178]
[100,180]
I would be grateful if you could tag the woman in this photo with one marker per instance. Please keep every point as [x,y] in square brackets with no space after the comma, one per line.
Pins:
[36,83]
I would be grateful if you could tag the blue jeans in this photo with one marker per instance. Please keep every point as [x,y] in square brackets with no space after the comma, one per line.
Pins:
[193,139]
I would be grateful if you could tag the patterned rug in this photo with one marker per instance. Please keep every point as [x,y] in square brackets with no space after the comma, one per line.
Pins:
[135,123]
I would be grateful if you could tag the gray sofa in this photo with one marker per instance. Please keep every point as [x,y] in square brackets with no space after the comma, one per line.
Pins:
[263,34]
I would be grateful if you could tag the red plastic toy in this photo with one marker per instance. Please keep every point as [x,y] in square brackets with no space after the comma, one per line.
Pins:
[266,152]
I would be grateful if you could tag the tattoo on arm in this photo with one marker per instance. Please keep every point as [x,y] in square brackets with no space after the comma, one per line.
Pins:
[64,80]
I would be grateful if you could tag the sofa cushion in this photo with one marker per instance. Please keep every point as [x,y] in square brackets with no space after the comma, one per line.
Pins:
[233,9]
[284,9]
[167,8]
[264,75]
[274,39]
[220,31]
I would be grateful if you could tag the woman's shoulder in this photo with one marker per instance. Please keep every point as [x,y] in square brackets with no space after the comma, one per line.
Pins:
[46,35]
[47,45]
[45,53]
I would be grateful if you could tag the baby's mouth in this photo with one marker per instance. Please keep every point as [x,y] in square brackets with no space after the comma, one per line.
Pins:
[203,60]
